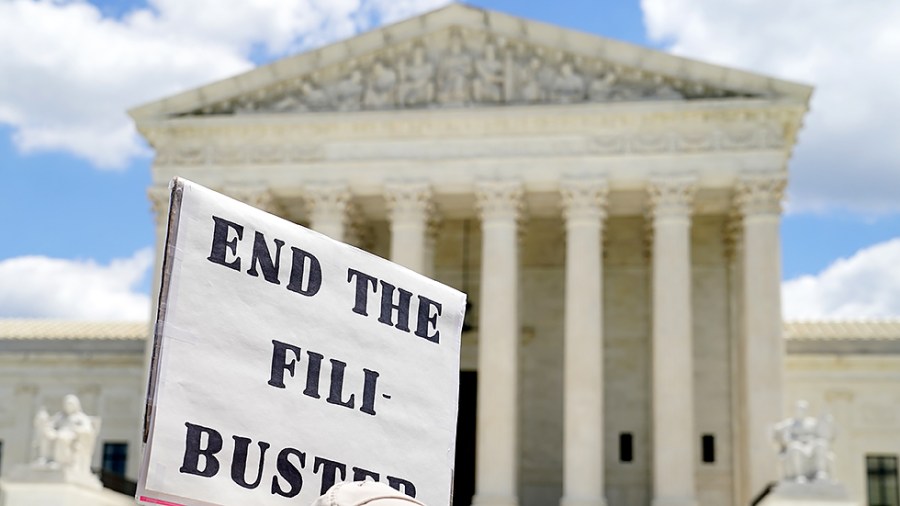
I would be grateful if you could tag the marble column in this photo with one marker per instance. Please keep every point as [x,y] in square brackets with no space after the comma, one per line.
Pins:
[762,348]
[672,356]
[431,234]
[409,210]
[329,206]
[258,196]
[500,206]
[584,210]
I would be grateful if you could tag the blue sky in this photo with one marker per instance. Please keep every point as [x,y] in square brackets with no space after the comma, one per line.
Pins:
[74,175]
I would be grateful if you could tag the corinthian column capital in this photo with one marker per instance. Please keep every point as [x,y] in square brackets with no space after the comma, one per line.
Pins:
[584,199]
[329,207]
[760,194]
[500,200]
[671,197]
[409,201]
[327,201]
[258,196]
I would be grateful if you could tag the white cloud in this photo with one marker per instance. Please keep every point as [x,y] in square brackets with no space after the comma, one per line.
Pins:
[866,285]
[69,73]
[42,287]
[849,150]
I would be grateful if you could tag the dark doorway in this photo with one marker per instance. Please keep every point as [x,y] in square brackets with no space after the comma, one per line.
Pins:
[464,476]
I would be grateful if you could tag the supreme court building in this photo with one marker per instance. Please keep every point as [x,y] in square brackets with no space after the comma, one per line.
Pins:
[612,212]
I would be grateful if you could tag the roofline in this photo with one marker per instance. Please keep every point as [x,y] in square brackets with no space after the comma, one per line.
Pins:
[886,329]
[67,330]
[618,52]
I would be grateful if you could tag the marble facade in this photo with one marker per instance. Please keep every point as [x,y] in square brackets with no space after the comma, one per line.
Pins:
[611,211]
[582,170]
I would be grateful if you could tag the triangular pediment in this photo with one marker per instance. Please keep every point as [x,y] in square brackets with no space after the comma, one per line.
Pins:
[462,56]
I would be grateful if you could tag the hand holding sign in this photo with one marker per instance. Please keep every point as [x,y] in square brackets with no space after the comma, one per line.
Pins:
[285,361]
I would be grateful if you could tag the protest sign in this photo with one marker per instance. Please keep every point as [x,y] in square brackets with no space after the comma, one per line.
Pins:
[285,361]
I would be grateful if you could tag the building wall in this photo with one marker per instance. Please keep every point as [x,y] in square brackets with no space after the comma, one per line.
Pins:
[110,385]
[858,383]
[861,389]
[862,392]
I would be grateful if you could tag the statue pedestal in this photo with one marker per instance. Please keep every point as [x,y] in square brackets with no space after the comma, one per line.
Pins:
[38,486]
[807,494]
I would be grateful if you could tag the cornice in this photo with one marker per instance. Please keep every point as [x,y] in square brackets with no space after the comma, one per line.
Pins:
[510,117]
[597,131]
[851,330]
[47,329]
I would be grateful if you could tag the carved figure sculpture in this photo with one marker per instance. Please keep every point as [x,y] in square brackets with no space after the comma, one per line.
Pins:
[67,439]
[805,446]
[601,88]
[380,92]
[314,98]
[661,90]
[488,83]
[666,92]
[416,87]
[286,103]
[349,91]
[569,85]
[531,89]
[454,72]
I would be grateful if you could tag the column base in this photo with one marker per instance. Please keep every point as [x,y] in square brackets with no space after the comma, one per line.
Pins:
[494,500]
[675,501]
[818,493]
[582,501]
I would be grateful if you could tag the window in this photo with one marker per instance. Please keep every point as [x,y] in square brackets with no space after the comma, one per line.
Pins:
[626,447]
[115,457]
[708,448]
[881,473]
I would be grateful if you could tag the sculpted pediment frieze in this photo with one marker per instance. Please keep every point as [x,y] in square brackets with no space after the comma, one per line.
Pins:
[460,67]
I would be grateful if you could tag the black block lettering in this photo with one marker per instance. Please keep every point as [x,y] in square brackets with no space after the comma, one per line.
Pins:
[368,397]
[290,473]
[363,281]
[300,260]
[329,469]
[401,485]
[388,306]
[360,474]
[426,318]
[266,261]
[193,451]
[239,464]
[221,245]
[280,362]
[337,385]
[313,372]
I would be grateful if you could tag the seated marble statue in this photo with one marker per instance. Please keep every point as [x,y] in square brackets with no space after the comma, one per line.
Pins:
[65,440]
[804,446]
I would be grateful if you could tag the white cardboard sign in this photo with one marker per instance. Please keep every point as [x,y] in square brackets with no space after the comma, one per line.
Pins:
[285,361]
